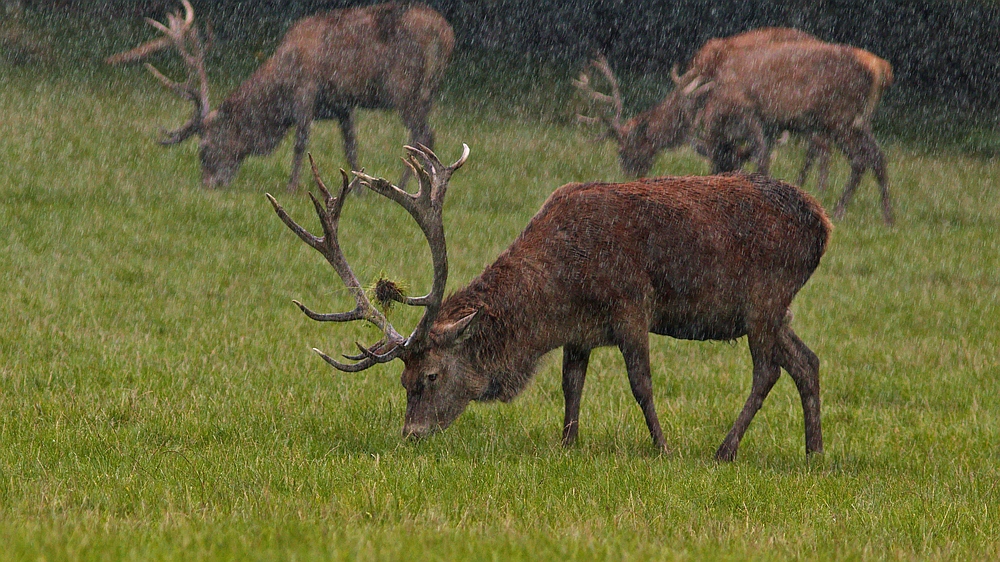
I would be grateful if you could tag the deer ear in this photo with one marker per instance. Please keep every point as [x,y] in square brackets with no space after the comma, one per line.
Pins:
[702,90]
[458,331]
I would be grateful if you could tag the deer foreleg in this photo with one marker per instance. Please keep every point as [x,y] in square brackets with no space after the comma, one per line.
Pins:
[811,153]
[346,119]
[823,168]
[636,355]
[574,371]
[298,151]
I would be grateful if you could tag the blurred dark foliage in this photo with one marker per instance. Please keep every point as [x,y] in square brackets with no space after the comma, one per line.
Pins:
[947,50]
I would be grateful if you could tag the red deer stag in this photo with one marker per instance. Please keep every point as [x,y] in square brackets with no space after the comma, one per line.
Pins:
[388,56]
[749,96]
[700,258]
[706,62]
[714,52]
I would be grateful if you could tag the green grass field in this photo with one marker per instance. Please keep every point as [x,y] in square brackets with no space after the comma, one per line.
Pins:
[159,399]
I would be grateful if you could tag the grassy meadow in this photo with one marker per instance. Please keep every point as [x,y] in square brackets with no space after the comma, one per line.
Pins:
[159,399]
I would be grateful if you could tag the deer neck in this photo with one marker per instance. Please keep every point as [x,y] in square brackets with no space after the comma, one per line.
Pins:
[507,343]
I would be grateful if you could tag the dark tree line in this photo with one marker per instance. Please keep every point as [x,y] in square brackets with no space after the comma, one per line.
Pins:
[947,50]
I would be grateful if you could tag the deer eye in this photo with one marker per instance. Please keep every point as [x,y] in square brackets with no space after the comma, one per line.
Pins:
[432,377]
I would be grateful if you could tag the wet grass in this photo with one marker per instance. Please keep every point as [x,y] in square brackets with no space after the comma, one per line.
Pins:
[158,399]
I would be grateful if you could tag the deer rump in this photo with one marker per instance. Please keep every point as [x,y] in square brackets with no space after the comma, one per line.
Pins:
[803,87]
[806,87]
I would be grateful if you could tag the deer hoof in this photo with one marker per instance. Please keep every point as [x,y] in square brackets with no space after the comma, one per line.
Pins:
[726,453]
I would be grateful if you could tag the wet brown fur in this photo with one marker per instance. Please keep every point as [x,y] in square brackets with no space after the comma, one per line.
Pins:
[701,258]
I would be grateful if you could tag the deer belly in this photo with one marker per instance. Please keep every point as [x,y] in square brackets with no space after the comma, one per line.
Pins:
[717,327]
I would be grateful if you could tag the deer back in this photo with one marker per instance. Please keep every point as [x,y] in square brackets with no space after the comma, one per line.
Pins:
[388,55]
[799,85]
[710,57]
[693,256]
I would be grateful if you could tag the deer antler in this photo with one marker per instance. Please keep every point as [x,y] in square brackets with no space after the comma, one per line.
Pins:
[180,32]
[139,53]
[425,207]
[328,245]
[600,63]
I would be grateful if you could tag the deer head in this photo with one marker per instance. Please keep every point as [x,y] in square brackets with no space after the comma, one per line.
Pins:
[439,382]
[219,161]
[667,125]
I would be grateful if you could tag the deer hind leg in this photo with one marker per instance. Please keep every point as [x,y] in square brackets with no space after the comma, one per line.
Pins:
[765,373]
[298,151]
[803,366]
[575,360]
[636,353]
[864,153]
[882,177]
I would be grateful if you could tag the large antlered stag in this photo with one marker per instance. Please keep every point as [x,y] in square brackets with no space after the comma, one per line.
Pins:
[388,56]
[700,258]
[743,96]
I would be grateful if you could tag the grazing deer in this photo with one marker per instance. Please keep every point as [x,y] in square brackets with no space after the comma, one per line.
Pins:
[388,56]
[699,258]
[746,97]
[706,63]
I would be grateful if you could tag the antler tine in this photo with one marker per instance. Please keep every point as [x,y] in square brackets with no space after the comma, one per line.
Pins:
[142,51]
[182,90]
[181,32]
[328,212]
[188,13]
[346,367]
[426,209]
[368,361]
[584,84]
[601,63]
[369,353]
[372,349]
[334,204]
[439,175]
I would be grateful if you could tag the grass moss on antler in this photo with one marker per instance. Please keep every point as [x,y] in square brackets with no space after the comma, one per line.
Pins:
[387,292]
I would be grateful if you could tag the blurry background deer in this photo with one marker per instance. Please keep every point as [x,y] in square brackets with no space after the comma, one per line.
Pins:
[387,56]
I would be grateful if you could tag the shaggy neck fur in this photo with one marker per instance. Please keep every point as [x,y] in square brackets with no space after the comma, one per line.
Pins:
[503,346]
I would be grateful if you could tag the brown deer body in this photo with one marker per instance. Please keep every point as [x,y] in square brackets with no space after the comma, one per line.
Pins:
[387,56]
[701,258]
[810,88]
[741,91]
[710,57]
